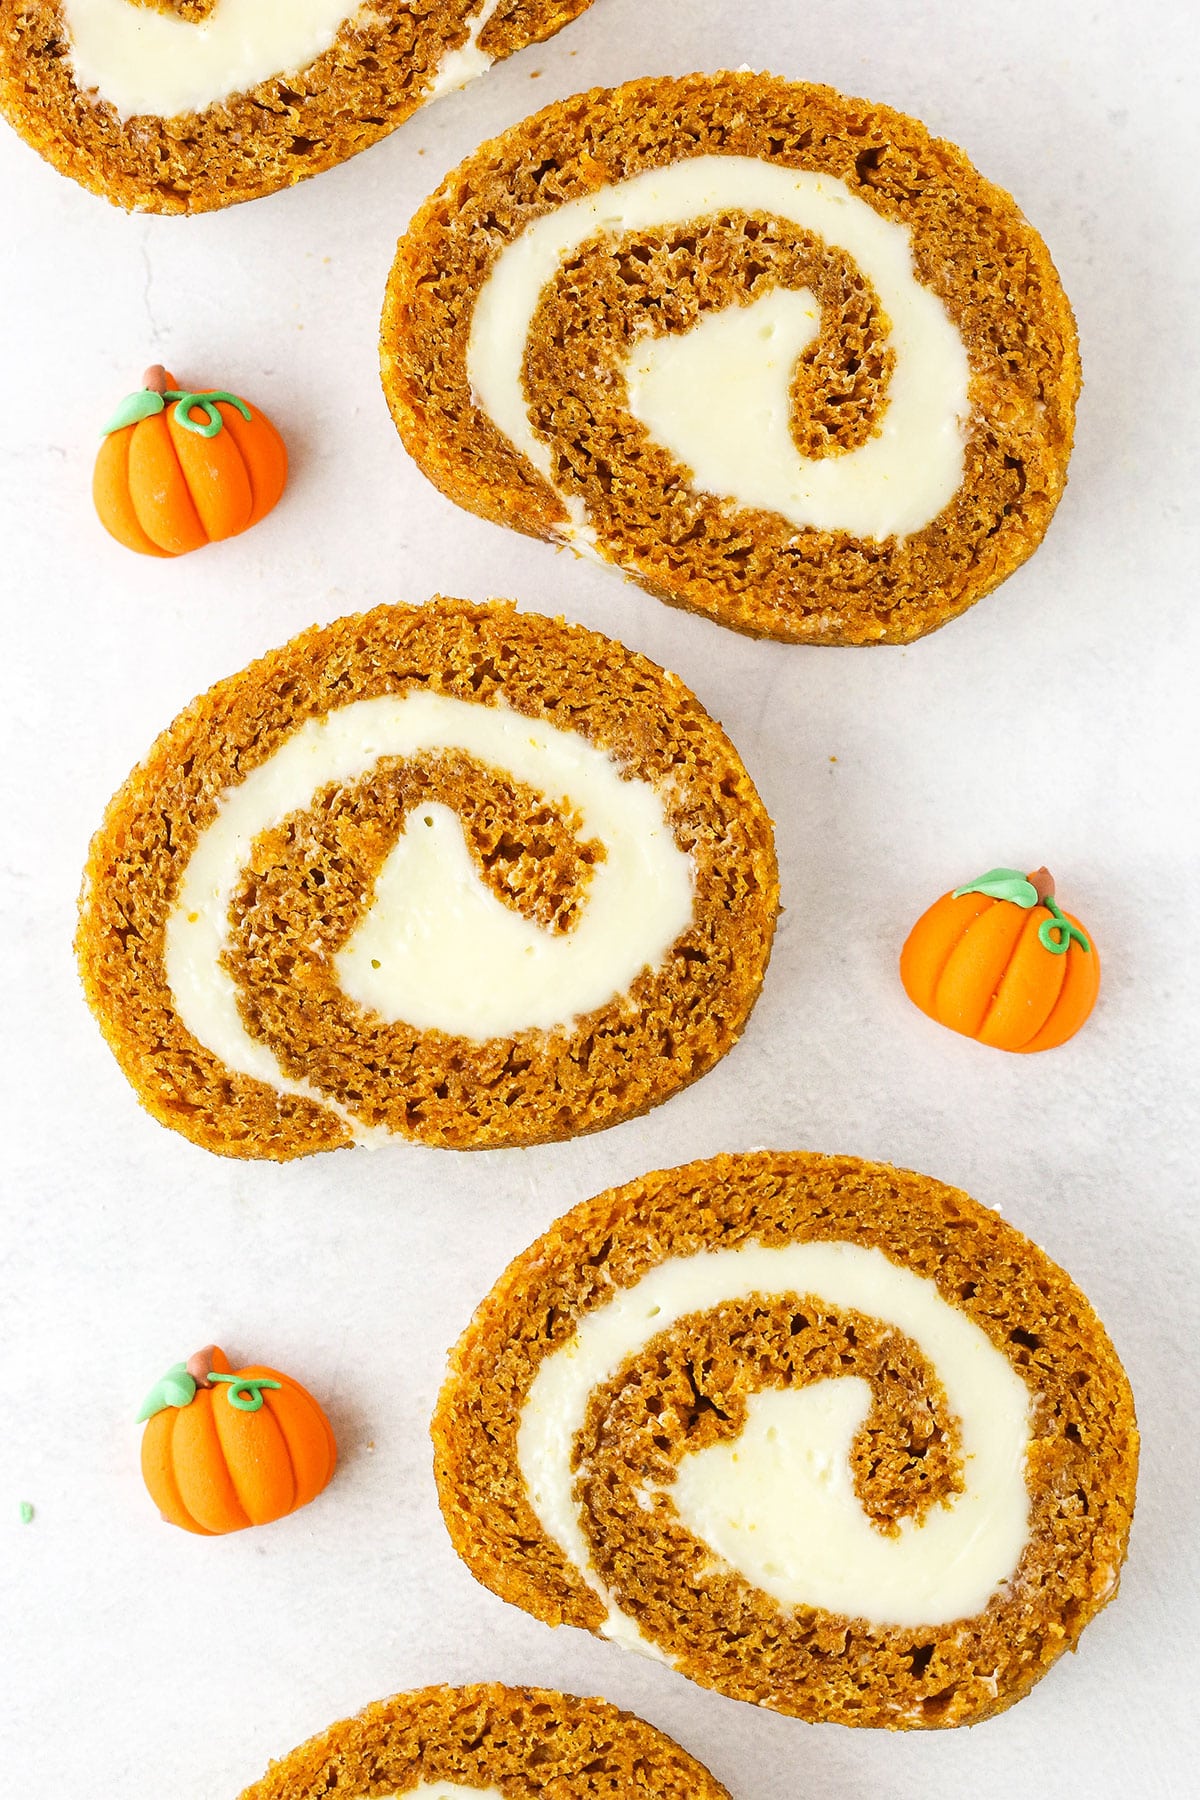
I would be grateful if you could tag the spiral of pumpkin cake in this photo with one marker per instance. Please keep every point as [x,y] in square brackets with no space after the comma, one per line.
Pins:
[782,356]
[452,873]
[821,1434]
[183,106]
[487,1742]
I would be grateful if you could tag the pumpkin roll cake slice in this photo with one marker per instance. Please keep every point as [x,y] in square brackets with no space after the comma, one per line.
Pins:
[451,873]
[487,1742]
[782,356]
[821,1434]
[183,106]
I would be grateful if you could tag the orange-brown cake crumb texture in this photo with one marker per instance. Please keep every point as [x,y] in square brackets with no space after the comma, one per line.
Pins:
[524,1742]
[752,570]
[689,1389]
[310,878]
[376,74]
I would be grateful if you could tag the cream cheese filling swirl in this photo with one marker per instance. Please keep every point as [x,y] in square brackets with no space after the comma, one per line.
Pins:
[155,63]
[436,947]
[777,1504]
[717,396]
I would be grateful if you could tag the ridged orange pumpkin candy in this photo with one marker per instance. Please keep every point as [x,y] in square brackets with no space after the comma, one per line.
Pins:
[998,960]
[178,470]
[224,1449]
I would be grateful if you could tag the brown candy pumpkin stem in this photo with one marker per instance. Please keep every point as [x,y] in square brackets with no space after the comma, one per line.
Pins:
[1042,881]
[200,1366]
[155,379]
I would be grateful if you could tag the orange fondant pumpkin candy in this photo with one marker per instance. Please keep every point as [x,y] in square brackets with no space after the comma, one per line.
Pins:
[178,470]
[1000,961]
[224,1449]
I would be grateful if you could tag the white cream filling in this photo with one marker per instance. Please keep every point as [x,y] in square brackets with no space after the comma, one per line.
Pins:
[446,1790]
[778,1503]
[458,67]
[147,62]
[450,954]
[735,366]
[717,396]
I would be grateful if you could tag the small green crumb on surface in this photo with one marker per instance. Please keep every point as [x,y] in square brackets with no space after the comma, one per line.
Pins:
[26,1512]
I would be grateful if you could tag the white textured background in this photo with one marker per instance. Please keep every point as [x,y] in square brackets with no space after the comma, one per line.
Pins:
[1055,723]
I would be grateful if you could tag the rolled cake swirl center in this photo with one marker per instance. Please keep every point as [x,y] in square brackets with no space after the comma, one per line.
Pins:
[147,62]
[437,948]
[892,485]
[778,1503]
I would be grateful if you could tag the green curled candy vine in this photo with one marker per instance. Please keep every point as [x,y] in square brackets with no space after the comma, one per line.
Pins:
[208,403]
[246,1391]
[1055,934]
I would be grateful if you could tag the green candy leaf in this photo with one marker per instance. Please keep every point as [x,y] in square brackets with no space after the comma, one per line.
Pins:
[1002,884]
[175,1389]
[133,409]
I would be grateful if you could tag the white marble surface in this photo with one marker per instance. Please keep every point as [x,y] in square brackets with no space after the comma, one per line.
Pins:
[1056,723]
